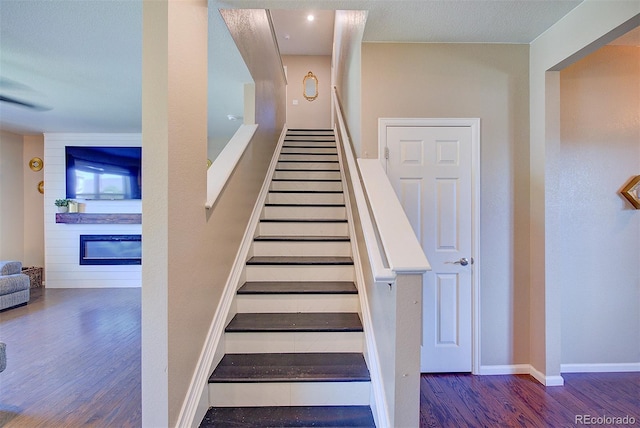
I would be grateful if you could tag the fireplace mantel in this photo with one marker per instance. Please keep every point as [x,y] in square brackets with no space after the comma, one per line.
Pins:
[99,218]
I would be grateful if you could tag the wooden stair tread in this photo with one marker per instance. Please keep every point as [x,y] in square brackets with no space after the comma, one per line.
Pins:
[293,238]
[310,130]
[302,205]
[303,220]
[299,261]
[294,322]
[298,287]
[291,367]
[308,180]
[306,170]
[289,416]
[306,161]
[333,192]
[329,146]
[310,153]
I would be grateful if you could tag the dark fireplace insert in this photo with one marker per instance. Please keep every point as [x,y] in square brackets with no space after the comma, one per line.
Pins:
[110,249]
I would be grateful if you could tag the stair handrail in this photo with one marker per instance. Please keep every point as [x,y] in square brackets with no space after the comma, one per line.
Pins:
[379,267]
[391,244]
[220,170]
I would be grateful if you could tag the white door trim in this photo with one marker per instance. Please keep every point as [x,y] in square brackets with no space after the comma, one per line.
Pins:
[474,124]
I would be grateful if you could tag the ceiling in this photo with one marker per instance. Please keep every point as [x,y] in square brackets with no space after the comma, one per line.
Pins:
[80,61]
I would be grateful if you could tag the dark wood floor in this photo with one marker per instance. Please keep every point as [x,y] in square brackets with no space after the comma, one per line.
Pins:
[74,361]
[461,400]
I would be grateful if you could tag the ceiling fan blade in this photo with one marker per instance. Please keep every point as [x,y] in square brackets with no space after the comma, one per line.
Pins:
[24,104]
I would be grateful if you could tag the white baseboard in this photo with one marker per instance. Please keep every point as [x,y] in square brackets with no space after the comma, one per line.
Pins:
[600,368]
[197,399]
[505,369]
[513,369]
[546,380]
[564,368]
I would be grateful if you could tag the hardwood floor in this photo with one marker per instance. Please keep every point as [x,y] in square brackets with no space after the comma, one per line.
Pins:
[74,361]
[462,400]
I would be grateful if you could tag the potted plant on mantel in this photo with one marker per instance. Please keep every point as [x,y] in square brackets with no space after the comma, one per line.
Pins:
[62,204]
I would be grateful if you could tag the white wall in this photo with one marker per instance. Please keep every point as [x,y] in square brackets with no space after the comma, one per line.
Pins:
[599,152]
[62,249]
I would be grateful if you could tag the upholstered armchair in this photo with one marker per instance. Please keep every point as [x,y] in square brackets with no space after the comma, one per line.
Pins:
[14,285]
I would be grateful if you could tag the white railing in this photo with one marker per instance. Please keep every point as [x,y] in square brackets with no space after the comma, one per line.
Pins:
[402,249]
[380,269]
[391,316]
[222,167]
[391,244]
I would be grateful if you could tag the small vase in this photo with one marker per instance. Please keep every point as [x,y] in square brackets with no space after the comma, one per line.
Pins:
[63,209]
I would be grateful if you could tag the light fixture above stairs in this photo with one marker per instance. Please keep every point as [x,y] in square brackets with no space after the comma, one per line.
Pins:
[294,349]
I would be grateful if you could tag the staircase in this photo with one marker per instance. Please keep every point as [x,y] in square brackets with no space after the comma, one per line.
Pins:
[294,350]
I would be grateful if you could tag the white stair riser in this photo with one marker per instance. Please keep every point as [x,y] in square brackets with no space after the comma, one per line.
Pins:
[306,142]
[330,175]
[300,273]
[308,165]
[302,212]
[308,157]
[289,394]
[269,343]
[289,248]
[277,303]
[305,198]
[303,229]
[306,185]
[323,150]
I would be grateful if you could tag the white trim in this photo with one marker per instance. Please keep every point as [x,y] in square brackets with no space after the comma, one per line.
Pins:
[512,369]
[192,410]
[474,124]
[224,164]
[600,368]
[546,380]
[379,404]
[403,250]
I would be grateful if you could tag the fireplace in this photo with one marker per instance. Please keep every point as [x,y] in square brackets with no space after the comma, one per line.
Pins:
[110,249]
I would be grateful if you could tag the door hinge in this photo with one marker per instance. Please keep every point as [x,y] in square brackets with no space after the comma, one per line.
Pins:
[386,153]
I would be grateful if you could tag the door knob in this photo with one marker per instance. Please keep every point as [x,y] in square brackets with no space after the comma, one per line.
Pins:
[463,261]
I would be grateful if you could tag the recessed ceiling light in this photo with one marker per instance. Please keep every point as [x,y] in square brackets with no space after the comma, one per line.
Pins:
[310,17]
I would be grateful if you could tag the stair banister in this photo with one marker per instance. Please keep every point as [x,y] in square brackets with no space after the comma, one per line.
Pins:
[400,247]
[380,269]
[404,253]
[392,316]
[222,167]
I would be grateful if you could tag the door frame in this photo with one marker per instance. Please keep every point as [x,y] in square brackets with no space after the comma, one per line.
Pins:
[474,125]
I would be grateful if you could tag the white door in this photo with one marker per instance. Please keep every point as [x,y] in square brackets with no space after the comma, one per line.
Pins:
[430,168]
